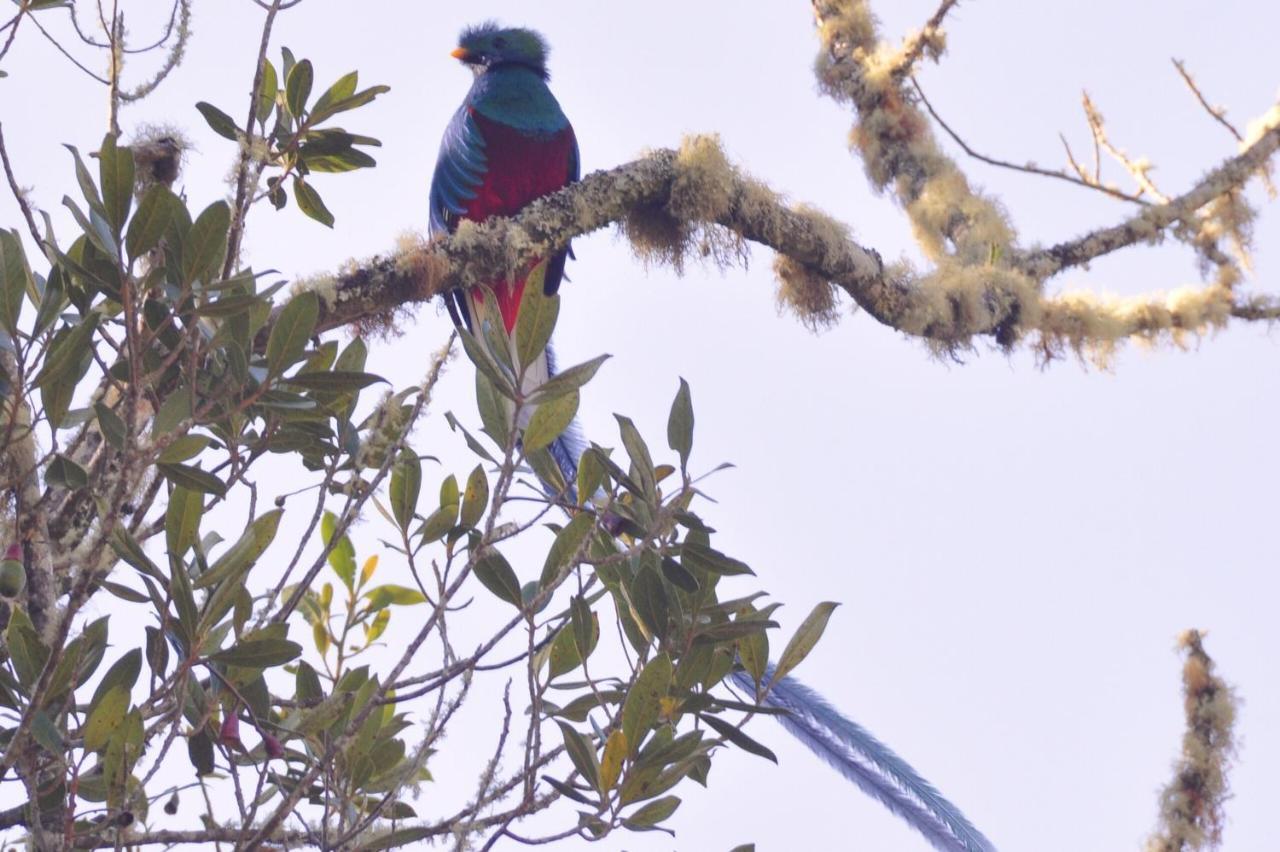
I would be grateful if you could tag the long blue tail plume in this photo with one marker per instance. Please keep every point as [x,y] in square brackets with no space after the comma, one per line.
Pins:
[852,751]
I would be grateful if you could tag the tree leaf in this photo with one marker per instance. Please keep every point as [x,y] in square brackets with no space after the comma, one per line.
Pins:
[258,653]
[565,547]
[381,597]
[806,636]
[297,87]
[192,477]
[406,483]
[474,498]
[182,520]
[205,247]
[115,174]
[568,380]
[310,202]
[336,381]
[644,700]
[342,556]
[267,90]
[680,424]
[291,331]
[106,716]
[652,813]
[737,737]
[493,570]
[549,421]
[152,219]
[582,754]
[536,318]
[221,123]
[615,750]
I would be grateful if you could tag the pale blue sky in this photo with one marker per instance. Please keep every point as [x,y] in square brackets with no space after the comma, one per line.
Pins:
[1016,549]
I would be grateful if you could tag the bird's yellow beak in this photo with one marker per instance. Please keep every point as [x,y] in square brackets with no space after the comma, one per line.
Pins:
[461,53]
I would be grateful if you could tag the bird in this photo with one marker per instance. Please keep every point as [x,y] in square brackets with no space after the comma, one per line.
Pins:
[509,144]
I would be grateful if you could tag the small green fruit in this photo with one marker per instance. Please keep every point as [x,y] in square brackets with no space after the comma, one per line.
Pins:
[13,578]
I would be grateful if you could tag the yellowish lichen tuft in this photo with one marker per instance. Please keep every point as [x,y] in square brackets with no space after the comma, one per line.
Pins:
[414,258]
[806,293]
[703,187]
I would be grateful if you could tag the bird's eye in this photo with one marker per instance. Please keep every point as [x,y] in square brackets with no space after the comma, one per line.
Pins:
[499,42]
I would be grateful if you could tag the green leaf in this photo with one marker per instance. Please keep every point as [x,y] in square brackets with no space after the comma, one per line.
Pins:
[406,483]
[292,329]
[700,557]
[644,700]
[205,247]
[495,410]
[680,424]
[568,380]
[641,461]
[563,655]
[85,180]
[123,673]
[336,381]
[582,621]
[565,547]
[475,498]
[344,88]
[342,557]
[68,352]
[549,421]
[111,425]
[241,556]
[115,172]
[15,280]
[106,715]
[382,597]
[582,754]
[47,733]
[267,90]
[193,478]
[737,737]
[65,473]
[493,570]
[310,202]
[297,87]
[485,364]
[536,318]
[200,752]
[182,520]
[153,217]
[806,636]
[221,123]
[652,813]
[258,653]
[401,838]
[185,447]
[590,476]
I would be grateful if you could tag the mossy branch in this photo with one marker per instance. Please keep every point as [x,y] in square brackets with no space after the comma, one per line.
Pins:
[671,202]
[1191,816]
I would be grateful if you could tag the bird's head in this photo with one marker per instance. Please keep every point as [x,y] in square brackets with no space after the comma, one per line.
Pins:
[488,46]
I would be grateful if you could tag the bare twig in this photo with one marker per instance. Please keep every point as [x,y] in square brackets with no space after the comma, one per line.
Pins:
[1027,168]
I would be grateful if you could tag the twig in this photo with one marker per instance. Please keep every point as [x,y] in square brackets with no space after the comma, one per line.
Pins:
[18,194]
[1028,168]
[1219,113]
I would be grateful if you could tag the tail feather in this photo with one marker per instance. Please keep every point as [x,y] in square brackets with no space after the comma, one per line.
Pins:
[868,763]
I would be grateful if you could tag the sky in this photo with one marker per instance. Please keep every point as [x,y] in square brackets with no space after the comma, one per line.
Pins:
[1015,548]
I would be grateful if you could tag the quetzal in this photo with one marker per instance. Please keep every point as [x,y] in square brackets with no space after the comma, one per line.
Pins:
[510,143]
